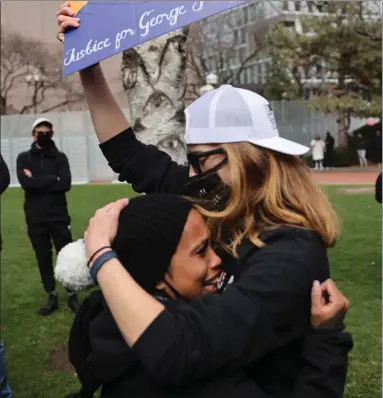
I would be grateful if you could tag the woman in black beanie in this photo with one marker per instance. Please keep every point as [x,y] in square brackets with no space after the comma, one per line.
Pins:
[164,243]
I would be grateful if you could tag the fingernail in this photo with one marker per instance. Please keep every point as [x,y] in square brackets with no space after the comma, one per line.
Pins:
[316,284]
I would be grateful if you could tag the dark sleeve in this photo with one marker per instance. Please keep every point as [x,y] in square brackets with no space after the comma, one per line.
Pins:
[378,189]
[147,168]
[268,308]
[32,183]
[325,355]
[5,178]
[64,174]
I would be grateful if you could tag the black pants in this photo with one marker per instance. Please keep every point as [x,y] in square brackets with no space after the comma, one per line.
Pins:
[329,158]
[41,236]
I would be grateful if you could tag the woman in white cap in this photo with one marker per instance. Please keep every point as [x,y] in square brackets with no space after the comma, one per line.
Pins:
[264,210]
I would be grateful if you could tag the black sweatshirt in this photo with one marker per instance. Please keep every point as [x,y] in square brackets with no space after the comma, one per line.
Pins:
[45,199]
[5,180]
[265,314]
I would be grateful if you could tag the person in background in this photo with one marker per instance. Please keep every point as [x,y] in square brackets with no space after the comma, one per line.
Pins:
[318,146]
[361,148]
[44,174]
[378,189]
[5,391]
[329,155]
[378,146]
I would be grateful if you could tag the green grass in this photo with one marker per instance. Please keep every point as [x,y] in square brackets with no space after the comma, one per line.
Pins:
[356,267]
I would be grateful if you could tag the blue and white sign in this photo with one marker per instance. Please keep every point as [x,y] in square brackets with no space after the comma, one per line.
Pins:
[108,28]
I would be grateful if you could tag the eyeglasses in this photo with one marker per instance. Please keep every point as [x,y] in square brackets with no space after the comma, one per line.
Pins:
[194,158]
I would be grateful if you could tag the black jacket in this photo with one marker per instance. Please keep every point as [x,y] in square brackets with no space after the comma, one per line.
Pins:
[5,180]
[45,199]
[265,315]
[378,189]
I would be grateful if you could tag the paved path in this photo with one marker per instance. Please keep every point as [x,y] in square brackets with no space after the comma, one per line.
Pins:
[355,176]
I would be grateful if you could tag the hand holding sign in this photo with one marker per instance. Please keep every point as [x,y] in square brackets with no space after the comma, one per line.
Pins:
[133,23]
[66,19]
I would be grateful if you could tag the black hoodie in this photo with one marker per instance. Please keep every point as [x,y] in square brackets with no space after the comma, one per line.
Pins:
[45,199]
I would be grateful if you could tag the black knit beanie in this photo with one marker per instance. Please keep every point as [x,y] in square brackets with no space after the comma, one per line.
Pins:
[148,233]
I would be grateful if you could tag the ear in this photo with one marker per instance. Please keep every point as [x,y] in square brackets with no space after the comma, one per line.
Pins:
[162,285]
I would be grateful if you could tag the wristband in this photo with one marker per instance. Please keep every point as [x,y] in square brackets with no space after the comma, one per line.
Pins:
[95,254]
[99,262]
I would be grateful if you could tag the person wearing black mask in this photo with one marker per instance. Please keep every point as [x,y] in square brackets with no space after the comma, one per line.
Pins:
[329,154]
[44,174]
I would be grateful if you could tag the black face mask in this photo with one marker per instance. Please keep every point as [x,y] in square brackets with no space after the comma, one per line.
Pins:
[208,190]
[44,141]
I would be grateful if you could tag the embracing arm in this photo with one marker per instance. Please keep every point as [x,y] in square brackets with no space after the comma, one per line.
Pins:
[325,355]
[326,345]
[260,313]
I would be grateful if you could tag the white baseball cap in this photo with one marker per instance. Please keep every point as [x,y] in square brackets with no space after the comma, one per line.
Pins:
[39,121]
[229,114]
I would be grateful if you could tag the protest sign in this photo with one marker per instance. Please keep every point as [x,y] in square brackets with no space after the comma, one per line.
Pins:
[108,28]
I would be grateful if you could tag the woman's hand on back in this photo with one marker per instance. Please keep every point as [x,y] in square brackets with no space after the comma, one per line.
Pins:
[66,19]
[328,305]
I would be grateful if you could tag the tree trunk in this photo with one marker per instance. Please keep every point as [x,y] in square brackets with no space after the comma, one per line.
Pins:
[343,126]
[154,80]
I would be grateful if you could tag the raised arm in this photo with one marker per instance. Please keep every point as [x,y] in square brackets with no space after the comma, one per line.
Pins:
[147,168]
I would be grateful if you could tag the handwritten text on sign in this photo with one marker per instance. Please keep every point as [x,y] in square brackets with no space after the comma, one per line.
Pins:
[108,28]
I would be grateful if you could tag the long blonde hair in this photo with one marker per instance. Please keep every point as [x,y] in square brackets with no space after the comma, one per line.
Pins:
[268,190]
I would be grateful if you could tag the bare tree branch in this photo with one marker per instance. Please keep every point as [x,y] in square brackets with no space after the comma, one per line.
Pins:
[28,66]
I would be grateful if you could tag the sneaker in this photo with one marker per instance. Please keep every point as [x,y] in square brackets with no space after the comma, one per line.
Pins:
[51,306]
[73,303]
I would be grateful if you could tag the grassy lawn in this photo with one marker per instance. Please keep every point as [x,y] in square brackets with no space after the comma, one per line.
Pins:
[29,339]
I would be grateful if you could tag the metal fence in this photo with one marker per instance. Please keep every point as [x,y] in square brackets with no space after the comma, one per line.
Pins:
[74,135]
